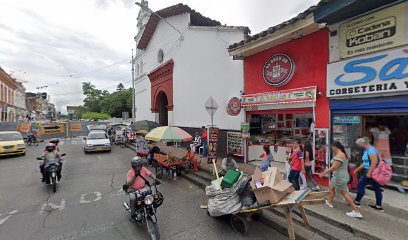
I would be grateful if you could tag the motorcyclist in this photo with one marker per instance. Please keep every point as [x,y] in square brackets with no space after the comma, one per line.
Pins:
[55,141]
[49,154]
[136,180]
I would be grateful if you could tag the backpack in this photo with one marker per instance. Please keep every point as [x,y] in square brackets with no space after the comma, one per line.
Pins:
[382,173]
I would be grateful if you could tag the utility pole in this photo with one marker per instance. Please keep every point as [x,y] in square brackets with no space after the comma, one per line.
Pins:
[133,90]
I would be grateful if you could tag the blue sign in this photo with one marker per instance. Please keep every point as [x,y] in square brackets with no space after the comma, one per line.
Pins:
[379,73]
[346,120]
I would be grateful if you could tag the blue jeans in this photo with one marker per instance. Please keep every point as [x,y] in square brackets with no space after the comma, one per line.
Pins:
[294,179]
[205,148]
[363,182]
[150,159]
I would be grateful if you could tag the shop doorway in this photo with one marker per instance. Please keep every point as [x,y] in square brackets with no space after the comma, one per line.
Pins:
[163,111]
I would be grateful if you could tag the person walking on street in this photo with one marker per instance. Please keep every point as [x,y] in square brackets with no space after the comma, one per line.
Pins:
[308,158]
[340,179]
[369,163]
[204,141]
[266,157]
[296,165]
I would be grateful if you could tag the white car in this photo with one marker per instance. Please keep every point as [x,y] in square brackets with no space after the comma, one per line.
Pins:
[97,141]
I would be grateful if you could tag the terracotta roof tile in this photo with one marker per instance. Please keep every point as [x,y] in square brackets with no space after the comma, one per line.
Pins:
[273,29]
[196,19]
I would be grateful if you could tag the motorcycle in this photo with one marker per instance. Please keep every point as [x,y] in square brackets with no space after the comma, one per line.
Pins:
[31,140]
[51,169]
[146,206]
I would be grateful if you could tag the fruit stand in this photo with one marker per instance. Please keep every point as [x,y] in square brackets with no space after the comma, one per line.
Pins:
[170,163]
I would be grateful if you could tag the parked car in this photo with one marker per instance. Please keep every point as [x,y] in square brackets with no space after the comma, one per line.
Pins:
[12,143]
[97,141]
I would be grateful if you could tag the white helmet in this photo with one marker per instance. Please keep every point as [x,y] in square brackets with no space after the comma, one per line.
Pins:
[136,161]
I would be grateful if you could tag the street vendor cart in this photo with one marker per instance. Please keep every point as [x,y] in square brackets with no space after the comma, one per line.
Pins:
[170,164]
[295,200]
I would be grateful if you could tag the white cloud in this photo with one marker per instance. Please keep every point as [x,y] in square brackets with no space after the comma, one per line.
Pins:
[44,42]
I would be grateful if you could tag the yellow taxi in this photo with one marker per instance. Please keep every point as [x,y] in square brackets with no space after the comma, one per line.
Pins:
[11,143]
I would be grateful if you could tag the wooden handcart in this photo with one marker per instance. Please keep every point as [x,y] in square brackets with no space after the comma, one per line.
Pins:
[161,162]
[295,200]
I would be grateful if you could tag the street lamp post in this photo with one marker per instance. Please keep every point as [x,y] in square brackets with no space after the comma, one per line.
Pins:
[133,90]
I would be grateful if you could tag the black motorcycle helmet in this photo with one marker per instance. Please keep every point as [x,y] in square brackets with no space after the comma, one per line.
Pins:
[50,147]
[54,141]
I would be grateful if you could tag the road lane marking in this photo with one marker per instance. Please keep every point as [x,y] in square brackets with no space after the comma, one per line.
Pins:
[98,196]
[8,216]
[53,206]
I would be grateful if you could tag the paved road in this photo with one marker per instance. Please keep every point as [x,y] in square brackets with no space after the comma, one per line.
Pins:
[88,203]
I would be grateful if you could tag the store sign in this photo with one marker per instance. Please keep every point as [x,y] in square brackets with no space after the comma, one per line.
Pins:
[278,69]
[374,32]
[213,135]
[306,94]
[245,130]
[234,106]
[234,143]
[385,72]
[346,120]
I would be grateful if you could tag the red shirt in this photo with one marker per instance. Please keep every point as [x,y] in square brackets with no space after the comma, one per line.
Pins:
[139,182]
[297,157]
[204,135]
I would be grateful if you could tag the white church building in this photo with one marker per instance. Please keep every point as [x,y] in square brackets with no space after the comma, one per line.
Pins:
[182,60]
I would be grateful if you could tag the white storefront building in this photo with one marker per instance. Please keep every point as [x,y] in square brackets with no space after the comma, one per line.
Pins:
[182,61]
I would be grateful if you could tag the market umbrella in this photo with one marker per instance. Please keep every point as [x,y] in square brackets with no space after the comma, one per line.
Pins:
[143,125]
[168,134]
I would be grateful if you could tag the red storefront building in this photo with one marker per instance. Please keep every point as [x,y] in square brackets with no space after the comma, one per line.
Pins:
[284,95]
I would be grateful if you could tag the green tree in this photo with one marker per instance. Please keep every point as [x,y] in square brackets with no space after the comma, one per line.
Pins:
[95,116]
[120,87]
[117,102]
[93,97]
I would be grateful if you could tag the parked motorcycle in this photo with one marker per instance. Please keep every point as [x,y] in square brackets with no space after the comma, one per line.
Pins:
[51,169]
[146,206]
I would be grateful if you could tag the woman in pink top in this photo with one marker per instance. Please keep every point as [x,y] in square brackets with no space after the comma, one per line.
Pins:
[266,157]
[308,158]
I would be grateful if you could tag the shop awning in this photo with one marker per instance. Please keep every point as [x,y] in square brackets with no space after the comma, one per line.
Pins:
[393,104]
[298,95]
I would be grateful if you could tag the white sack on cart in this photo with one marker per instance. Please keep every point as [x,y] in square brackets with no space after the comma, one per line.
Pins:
[225,202]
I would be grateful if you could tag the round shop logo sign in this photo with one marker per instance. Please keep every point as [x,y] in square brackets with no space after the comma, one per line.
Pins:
[278,69]
[234,106]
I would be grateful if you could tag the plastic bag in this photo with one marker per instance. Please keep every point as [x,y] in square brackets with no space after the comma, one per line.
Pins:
[246,195]
[225,202]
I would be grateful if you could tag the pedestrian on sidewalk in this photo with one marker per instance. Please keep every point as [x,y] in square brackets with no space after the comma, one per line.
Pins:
[296,164]
[266,157]
[370,162]
[204,141]
[340,179]
[308,158]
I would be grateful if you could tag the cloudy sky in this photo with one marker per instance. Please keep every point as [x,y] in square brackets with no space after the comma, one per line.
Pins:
[60,43]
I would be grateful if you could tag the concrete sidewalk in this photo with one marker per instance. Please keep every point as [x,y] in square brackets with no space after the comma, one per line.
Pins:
[327,222]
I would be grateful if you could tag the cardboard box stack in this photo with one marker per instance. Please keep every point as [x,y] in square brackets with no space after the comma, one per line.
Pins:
[270,186]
